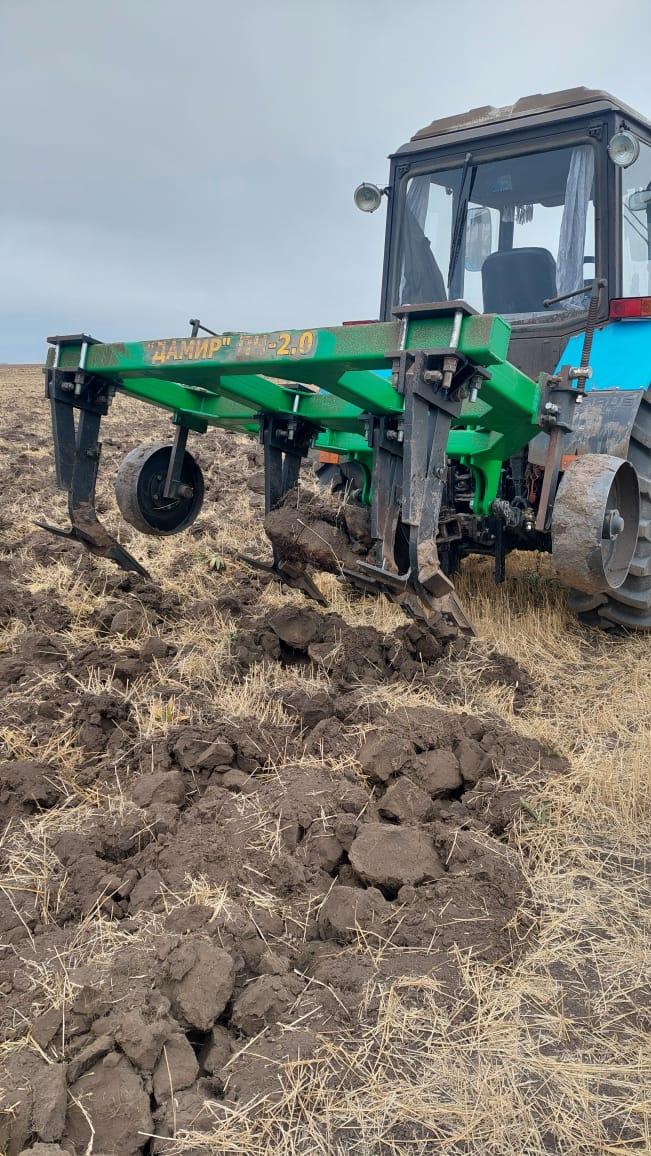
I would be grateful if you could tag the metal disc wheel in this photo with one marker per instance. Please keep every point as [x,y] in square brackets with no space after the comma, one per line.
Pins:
[629,606]
[595,523]
[139,485]
[344,477]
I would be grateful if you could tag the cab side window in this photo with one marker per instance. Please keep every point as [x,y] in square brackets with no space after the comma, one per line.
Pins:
[636,225]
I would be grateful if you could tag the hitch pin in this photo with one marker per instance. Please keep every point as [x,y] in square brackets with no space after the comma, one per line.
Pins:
[450,363]
[456,330]
[81,368]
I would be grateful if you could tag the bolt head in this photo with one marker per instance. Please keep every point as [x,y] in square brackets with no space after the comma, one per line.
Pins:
[613,524]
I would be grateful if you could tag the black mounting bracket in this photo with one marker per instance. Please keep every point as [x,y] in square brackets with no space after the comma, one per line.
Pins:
[409,480]
[77,451]
[286,441]
[174,487]
[560,396]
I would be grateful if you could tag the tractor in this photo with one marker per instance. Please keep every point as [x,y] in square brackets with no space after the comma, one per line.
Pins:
[502,401]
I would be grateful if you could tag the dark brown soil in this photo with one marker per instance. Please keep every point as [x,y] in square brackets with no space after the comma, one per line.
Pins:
[172,892]
[325,534]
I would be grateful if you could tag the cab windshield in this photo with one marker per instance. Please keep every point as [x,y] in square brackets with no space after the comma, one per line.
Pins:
[504,235]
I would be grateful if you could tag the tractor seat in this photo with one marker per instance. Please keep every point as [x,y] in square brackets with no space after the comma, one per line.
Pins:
[518,280]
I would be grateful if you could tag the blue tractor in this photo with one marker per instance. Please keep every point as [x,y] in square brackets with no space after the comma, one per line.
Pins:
[541,212]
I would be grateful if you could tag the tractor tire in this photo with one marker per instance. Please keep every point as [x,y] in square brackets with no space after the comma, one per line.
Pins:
[629,607]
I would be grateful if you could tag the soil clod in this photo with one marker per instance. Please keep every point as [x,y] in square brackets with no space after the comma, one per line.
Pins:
[389,856]
[231,821]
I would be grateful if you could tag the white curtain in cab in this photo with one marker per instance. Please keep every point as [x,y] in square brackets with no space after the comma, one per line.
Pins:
[571,242]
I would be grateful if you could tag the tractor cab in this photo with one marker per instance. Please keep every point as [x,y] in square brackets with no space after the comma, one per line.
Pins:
[522,211]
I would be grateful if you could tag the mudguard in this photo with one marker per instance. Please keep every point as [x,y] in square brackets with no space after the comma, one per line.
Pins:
[602,425]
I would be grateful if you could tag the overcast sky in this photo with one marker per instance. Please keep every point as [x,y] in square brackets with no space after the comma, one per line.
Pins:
[167,159]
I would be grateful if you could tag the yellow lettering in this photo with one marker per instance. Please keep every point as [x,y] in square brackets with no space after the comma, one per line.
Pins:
[202,350]
[215,346]
[306,342]
[159,355]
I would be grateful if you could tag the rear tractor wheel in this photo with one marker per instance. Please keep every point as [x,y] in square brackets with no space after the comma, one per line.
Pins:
[139,486]
[630,605]
[601,533]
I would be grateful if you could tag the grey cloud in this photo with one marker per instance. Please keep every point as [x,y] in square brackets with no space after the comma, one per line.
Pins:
[162,159]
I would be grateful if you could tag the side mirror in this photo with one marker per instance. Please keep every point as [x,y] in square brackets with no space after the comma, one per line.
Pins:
[640,200]
[479,238]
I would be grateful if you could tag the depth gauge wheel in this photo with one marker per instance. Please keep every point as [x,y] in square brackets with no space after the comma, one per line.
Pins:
[629,605]
[139,487]
[343,477]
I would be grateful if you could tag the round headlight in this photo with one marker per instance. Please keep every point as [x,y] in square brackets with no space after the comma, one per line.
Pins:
[623,148]
[367,197]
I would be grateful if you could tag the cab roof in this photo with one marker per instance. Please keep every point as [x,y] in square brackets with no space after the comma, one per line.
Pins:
[568,101]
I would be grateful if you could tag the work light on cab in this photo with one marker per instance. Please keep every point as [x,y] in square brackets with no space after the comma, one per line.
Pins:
[623,148]
[367,197]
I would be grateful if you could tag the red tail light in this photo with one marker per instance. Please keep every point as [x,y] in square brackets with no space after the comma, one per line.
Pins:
[622,307]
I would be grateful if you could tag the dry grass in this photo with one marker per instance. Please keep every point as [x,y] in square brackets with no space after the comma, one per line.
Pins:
[550,1056]
[554,1054]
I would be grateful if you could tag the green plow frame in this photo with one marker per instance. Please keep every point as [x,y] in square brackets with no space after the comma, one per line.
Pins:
[231,380]
[400,397]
